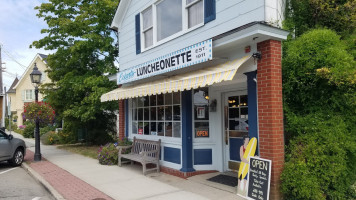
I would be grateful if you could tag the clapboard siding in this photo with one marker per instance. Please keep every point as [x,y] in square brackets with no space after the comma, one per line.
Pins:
[230,14]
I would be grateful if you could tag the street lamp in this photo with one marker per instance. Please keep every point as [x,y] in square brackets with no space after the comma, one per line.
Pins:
[36,80]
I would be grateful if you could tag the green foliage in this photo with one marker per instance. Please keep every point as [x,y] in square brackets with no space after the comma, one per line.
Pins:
[303,15]
[66,137]
[28,132]
[80,33]
[319,74]
[108,154]
[321,161]
[41,111]
[46,129]
[13,125]
[50,138]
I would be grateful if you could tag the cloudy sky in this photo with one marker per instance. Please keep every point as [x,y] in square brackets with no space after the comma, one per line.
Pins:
[19,27]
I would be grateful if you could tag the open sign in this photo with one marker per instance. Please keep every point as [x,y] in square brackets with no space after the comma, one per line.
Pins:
[201,133]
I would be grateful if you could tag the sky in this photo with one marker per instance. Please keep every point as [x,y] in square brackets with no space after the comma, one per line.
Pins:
[19,27]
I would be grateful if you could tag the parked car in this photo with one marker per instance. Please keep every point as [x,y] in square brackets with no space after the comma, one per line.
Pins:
[12,149]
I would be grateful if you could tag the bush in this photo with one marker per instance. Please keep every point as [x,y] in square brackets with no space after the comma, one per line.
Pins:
[66,137]
[50,138]
[29,131]
[108,154]
[46,129]
[320,159]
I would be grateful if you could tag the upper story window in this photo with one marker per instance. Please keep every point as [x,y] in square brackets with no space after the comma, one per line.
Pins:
[163,20]
[28,95]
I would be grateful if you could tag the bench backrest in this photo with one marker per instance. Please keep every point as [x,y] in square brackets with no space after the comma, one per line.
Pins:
[140,145]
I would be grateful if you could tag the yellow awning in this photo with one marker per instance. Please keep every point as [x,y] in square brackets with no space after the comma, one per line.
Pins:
[191,80]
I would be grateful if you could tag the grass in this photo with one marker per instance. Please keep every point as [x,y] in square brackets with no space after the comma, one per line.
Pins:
[88,151]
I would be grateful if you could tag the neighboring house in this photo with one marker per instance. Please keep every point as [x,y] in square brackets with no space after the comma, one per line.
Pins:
[24,91]
[200,75]
[11,96]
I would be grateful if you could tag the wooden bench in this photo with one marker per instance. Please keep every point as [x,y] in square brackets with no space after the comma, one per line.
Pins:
[143,151]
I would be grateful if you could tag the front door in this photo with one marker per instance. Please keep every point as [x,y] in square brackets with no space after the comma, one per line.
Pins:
[235,127]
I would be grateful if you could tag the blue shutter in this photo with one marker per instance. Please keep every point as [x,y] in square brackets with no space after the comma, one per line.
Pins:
[209,10]
[138,35]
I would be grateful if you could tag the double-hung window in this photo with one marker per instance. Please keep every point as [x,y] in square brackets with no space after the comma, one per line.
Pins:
[168,19]
[28,95]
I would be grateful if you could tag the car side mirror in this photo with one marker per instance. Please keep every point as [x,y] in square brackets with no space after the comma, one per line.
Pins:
[10,137]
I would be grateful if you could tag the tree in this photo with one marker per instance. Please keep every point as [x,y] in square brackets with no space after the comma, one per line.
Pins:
[303,15]
[79,31]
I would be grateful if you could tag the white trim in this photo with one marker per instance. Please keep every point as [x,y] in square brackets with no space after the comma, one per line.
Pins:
[120,14]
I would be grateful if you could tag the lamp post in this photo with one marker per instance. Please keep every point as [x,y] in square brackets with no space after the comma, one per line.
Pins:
[36,80]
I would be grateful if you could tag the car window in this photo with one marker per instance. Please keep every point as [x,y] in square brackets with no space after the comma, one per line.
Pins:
[2,136]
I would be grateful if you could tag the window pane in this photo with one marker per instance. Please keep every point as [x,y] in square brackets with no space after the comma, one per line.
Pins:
[160,113]
[176,98]
[176,113]
[160,128]
[145,101]
[168,99]
[134,103]
[234,113]
[140,101]
[243,100]
[147,18]
[153,128]
[201,125]
[153,113]
[134,114]
[168,112]
[176,129]
[146,128]
[169,18]
[233,101]
[244,113]
[146,114]
[160,99]
[148,38]
[134,127]
[153,100]
[140,114]
[195,14]
[168,126]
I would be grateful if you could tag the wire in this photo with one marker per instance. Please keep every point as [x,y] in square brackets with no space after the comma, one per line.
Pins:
[12,57]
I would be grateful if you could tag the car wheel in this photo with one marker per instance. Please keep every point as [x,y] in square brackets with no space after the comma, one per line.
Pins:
[17,158]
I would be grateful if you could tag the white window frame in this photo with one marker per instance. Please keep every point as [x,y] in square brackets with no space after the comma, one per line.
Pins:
[184,30]
[31,95]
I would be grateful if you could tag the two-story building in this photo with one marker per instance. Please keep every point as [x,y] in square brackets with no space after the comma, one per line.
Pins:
[22,91]
[200,75]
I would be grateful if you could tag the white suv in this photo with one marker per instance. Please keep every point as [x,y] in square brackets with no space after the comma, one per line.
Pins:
[12,149]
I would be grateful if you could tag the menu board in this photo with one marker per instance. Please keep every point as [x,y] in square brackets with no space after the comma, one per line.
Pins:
[259,178]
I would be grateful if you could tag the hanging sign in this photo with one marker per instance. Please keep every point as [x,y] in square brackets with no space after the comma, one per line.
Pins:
[201,133]
[194,54]
[259,178]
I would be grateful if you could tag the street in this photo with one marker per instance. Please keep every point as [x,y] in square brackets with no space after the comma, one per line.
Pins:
[16,183]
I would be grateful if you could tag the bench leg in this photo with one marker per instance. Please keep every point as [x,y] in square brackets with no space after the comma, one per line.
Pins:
[119,161]
[144,168]
[157,164]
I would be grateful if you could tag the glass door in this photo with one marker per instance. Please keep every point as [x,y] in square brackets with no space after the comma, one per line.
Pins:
[235,127]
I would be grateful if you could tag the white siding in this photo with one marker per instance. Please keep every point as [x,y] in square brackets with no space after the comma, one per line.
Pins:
[230,14]
[274,12]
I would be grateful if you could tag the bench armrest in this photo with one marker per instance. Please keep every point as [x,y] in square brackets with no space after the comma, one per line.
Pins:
[120,148]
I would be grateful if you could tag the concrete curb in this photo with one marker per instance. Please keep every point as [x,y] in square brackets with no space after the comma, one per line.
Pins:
[41,180]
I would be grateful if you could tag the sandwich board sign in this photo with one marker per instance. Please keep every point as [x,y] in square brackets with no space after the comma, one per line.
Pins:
[259,178]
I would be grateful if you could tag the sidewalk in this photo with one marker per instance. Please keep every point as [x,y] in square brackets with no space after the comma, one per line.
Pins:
[73,176]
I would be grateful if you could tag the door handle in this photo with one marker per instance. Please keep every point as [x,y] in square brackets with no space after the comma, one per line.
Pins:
[226,122]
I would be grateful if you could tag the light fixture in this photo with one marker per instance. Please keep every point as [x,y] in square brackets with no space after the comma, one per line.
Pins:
[36,75]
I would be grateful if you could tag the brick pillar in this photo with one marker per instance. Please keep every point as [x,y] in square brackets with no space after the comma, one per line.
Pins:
[270,110]
[121,119]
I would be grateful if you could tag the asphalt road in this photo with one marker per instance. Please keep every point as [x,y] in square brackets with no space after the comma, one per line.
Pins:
[17,184]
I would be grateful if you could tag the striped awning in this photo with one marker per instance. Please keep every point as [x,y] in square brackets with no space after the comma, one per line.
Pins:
[191,80]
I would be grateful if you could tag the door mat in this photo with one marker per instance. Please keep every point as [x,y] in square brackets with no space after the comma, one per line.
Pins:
[224,179]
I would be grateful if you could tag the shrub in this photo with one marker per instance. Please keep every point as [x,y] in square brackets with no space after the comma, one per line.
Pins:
[320,159]
[66,137]
[28,131]
[108,154]
[46,129]
[50,138]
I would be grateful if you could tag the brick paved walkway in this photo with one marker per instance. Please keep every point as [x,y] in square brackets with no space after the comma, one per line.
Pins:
[69,186]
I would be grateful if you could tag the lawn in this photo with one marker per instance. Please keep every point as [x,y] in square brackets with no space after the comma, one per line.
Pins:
[88,151]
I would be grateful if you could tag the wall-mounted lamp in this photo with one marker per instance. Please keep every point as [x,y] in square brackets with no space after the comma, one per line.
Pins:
[257,55]
[212,106]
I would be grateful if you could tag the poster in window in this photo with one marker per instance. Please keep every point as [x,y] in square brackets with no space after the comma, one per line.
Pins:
[200,112]
[140,131]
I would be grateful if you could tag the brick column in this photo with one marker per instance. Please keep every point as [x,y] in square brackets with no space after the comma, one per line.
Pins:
[270,110]
[121,119]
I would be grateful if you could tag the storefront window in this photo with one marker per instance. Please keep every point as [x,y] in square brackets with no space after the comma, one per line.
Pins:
[157,115]
[201,112]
